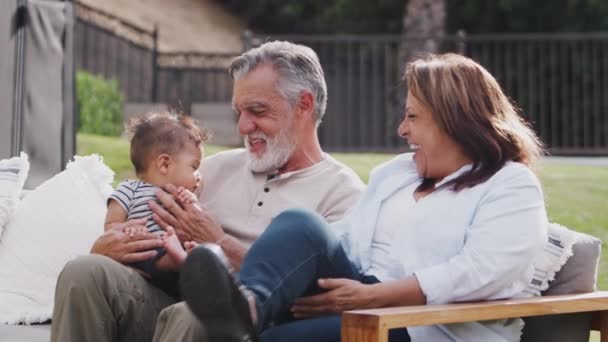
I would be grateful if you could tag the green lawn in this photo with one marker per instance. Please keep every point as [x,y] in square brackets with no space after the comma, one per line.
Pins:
[576,196]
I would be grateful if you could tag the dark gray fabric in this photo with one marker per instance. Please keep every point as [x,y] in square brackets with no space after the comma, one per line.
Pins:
[69,88]
[578,275]
[7,74]
[43,117]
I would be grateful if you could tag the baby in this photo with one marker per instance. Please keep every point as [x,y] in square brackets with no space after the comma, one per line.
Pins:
[165,149]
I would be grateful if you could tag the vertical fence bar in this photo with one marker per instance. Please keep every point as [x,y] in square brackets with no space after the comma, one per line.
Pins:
[337,90]
[362,96]
[553,92]
[596,94]
[564,94]
[604,112]
[585,90]
[247,40]
[573,94]
[376,115]
[543,126]
[387,92]
[349,141]
[530,103]
[518,91]
[154,91]
[461,42]
[103,54]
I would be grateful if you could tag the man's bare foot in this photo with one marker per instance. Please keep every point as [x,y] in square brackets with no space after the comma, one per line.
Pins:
[174,247]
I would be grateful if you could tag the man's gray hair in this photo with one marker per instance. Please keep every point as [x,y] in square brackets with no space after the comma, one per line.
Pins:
[298,67]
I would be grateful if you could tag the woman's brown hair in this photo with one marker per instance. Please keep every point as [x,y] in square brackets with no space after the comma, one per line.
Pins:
[469,105]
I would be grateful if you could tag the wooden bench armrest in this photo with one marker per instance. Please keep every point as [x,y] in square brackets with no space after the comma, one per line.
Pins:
[373,325]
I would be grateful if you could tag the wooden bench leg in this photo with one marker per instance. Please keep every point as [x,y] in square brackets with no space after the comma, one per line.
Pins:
[362,329]
[601,324]
[363,334]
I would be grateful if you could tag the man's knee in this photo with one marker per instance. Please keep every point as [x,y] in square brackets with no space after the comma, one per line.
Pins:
[302,224]
[87,275]
[177,322]
[178,311]
[299,220]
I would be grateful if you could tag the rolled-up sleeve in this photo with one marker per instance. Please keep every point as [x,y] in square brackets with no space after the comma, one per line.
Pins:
[506,232]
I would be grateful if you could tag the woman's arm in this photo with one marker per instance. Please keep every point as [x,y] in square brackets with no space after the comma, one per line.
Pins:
[346,294]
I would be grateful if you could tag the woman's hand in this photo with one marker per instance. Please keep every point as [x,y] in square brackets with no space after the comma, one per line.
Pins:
[342,295]
[191,221]
[119,244]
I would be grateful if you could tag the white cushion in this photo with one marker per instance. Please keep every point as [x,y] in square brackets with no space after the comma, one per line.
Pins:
[54,223]
[13,173]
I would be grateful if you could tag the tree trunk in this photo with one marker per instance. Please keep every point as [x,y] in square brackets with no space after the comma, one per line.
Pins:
[423,28]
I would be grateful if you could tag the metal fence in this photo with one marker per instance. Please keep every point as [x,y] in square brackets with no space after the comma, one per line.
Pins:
[117,49]
[558,80]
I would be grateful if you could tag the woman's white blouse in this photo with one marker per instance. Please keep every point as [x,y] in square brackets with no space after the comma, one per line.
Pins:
[474,244]
[383,258]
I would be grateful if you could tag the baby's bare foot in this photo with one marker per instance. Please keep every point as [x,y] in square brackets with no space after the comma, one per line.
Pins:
[174,247]
[190,245]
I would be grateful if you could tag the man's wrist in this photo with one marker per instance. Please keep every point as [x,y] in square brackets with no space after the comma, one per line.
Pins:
[222,239]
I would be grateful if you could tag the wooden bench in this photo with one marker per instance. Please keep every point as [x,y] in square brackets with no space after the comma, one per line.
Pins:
[373,325]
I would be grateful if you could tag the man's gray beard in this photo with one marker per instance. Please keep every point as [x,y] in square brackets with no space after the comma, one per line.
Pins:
[278,151]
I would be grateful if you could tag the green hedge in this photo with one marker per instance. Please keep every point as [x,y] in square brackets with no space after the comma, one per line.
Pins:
[100,105]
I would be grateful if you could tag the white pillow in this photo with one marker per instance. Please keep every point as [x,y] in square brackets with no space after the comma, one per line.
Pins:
[13,173]
[54,223]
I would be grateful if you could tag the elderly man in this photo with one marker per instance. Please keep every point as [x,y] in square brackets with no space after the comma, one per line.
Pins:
[280,98]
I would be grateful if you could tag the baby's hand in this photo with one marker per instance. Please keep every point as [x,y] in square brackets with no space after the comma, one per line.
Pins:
[190,245]
[134,230]
[186,196]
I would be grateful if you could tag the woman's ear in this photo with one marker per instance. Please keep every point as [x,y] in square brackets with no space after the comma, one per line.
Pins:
[162,163]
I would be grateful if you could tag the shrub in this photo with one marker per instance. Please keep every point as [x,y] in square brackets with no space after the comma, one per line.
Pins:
[100,105]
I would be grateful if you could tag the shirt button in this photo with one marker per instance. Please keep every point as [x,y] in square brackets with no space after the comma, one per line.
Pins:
[260,204]
[266,189]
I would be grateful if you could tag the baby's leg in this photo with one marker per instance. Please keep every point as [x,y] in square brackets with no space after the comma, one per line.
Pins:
[176,255]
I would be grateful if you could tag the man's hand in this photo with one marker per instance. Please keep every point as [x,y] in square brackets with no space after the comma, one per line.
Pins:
[117,243]
[191,221]
[342,295]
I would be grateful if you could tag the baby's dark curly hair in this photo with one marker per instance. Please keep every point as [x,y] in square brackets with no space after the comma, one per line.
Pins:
[153,134]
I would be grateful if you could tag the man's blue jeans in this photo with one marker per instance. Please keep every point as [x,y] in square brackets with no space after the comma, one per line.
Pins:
[284,263]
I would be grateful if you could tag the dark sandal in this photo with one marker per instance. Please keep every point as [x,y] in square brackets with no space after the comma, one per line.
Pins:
[213,295]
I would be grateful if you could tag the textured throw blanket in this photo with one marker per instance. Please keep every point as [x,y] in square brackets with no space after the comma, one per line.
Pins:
[556,252]
[13,173]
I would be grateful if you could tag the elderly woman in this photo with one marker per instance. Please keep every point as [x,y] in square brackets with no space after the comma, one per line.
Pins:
[460,219]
